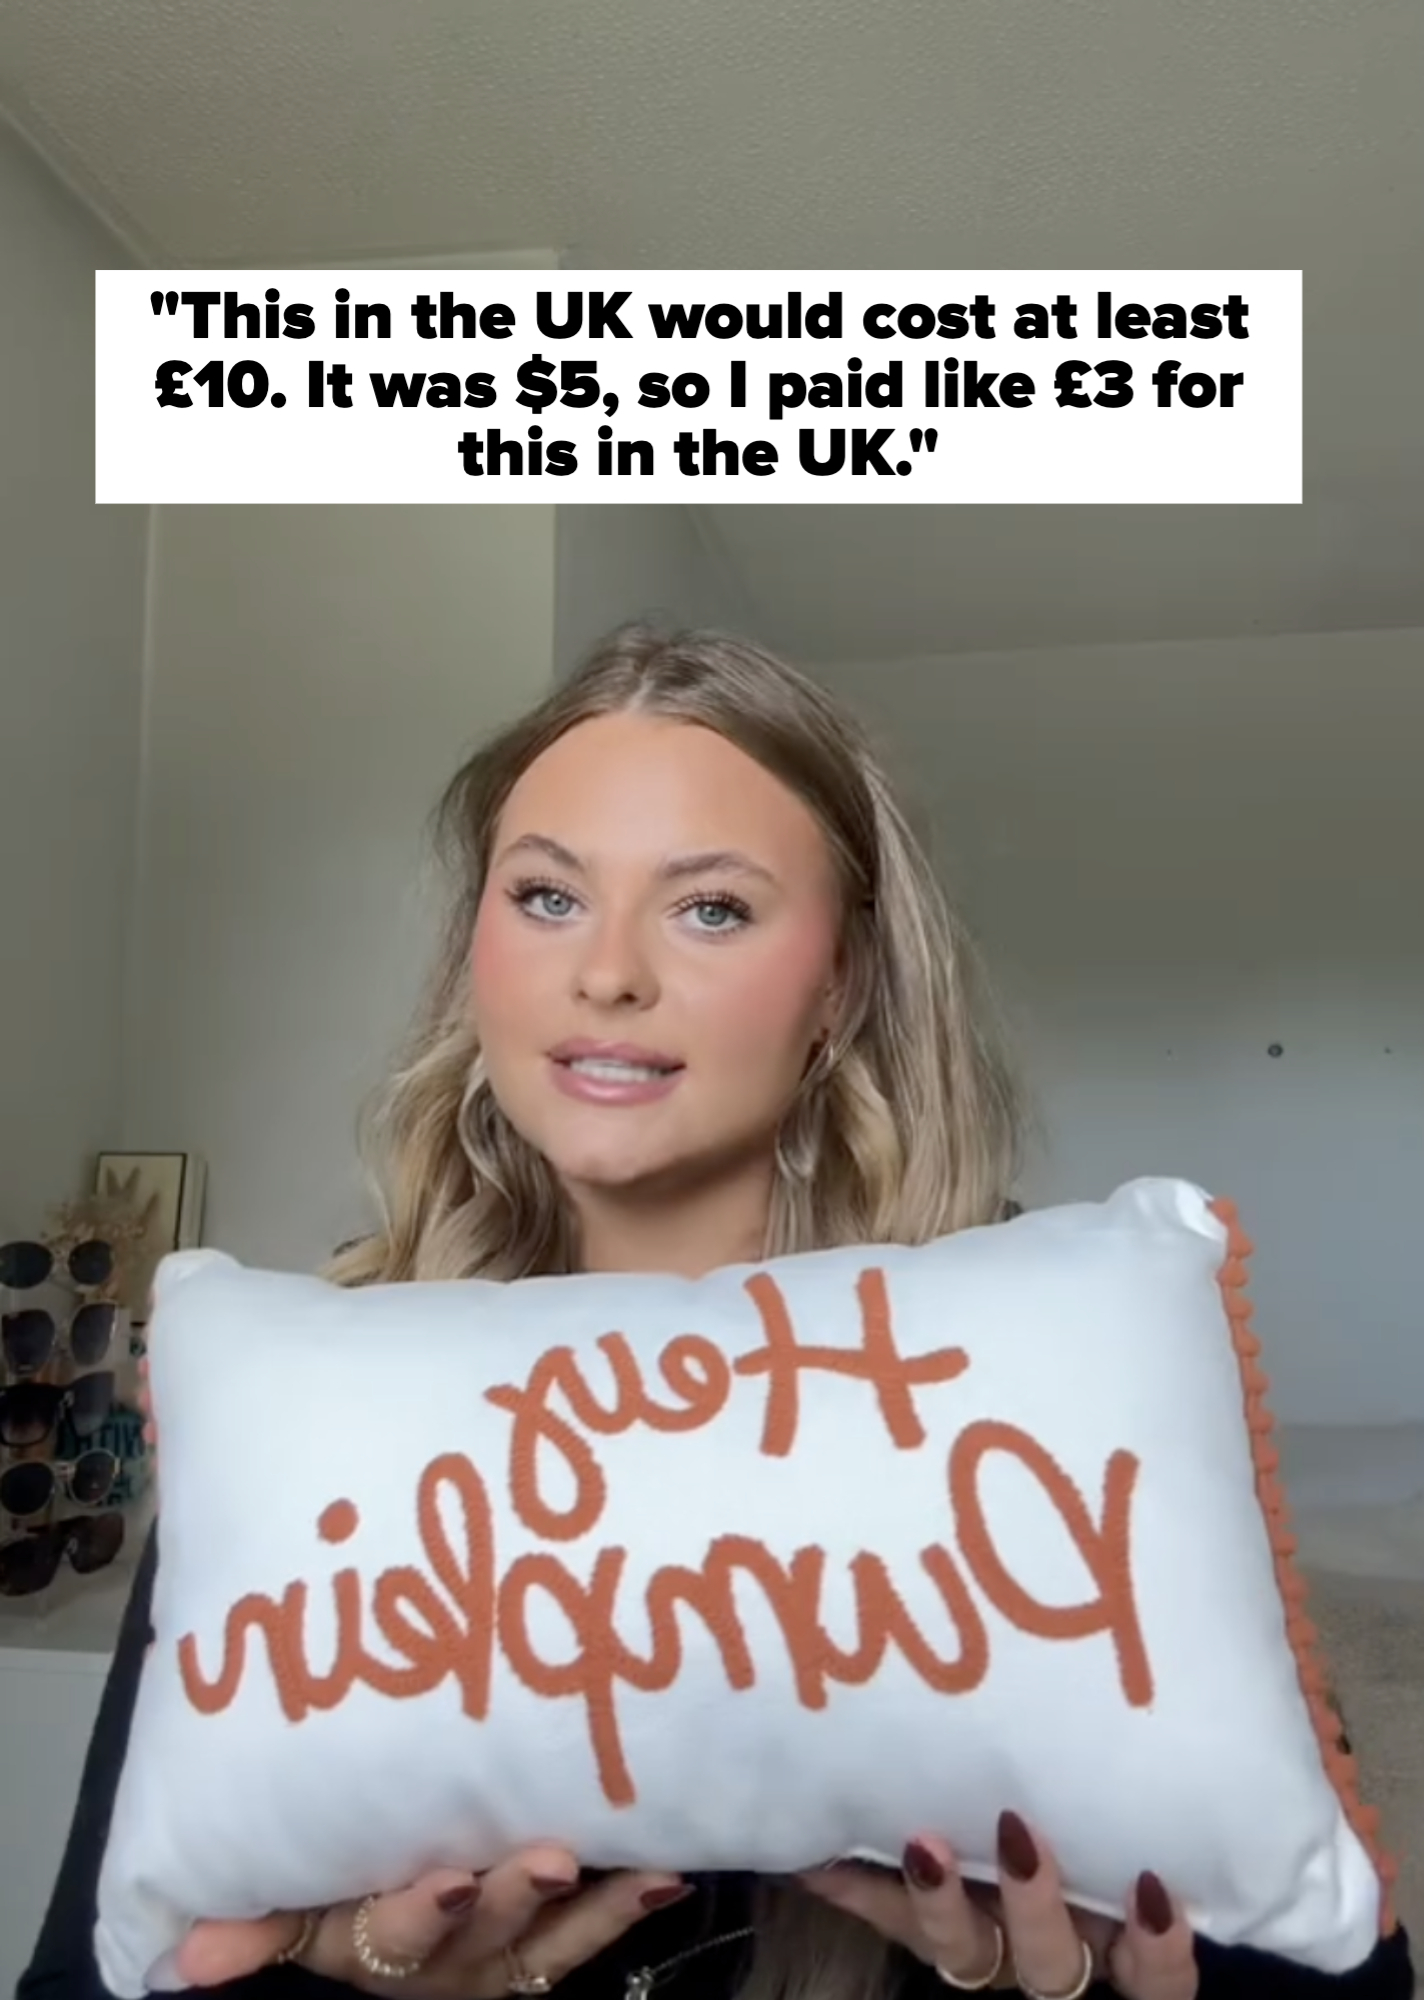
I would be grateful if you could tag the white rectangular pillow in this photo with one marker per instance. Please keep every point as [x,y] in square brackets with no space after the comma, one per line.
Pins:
[789,1562]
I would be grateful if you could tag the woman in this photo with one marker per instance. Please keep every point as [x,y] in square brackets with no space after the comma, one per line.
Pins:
[699,1001]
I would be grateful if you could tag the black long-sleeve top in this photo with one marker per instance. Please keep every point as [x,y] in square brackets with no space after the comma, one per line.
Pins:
[63,1965]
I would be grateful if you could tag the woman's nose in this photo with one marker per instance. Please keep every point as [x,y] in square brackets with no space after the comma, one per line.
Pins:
[616,965]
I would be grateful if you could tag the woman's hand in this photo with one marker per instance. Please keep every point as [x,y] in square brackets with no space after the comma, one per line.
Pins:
[1040,1945]
[469,1937]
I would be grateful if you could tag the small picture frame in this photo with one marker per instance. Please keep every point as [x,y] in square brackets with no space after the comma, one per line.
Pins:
[166,1191]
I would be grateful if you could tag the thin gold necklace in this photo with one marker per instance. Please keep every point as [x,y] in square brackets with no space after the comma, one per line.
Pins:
[641,1983]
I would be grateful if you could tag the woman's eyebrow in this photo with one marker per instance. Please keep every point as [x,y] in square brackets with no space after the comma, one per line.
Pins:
[716,861]
[540,843]
[677,868]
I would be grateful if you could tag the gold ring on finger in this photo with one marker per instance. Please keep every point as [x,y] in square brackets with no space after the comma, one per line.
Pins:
[303,1941]
[522,1980]
[1076,1991]
[985,1979]
[371,1961]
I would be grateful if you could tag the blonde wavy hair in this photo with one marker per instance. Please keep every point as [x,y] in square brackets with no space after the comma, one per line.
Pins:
[906,1126]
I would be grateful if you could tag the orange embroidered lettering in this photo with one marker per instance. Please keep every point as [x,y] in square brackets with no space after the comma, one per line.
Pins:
[441,1618]
[877,1361]
[696,1372]
[590,1673]
[883,1619]
[338,1522]
[456,1641]
[601,1657]
[790,1590]
[467,1578]
[280,1625]
[629,1398]
[700,1376]
[415,1623]
[329,1690]
[1106,1548]
[535,1424]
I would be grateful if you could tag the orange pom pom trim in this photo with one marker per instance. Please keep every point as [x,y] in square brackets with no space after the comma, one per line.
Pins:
[1340,1766]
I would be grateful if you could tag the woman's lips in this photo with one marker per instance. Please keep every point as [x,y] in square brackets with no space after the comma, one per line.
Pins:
[628,1076]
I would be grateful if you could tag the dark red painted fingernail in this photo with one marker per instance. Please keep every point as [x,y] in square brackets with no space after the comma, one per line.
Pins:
[454,1902]
[922,1870]
[1154,1905]
[660,1899]
[1018,1857]
[554,1885]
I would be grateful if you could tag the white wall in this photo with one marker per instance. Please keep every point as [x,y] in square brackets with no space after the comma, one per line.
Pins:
[1176,856]
[71,586]
[315,676]
[614,564]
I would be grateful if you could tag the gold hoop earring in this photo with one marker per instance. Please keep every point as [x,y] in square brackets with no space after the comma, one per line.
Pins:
[788,1168]
[798,1143]
[825,1057]
[477,1125]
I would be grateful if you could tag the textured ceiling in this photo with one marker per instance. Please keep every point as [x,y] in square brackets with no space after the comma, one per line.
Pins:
[932,133]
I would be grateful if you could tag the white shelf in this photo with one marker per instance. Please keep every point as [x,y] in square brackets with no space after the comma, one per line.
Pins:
[48,1702]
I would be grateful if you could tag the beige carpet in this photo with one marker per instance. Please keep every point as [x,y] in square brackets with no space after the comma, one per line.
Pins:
[1372,1628]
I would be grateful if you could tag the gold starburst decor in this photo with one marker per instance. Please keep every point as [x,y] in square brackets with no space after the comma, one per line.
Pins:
[117,1216]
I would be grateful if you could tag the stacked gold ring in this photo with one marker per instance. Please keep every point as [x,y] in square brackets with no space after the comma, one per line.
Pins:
[985,1979]
[372,1962]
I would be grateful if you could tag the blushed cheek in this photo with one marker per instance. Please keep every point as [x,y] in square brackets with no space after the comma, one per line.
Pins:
[493,968]
[774,1009]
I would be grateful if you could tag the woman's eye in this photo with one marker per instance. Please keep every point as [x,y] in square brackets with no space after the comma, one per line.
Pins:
[549,904]
[541,901]
[718,913]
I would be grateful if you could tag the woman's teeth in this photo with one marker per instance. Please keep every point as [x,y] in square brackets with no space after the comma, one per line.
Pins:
[618,1072]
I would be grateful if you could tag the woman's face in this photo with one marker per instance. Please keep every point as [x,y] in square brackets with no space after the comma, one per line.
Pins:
[654,956]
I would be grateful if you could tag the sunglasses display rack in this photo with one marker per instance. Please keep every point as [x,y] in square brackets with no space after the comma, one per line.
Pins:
[67,1445]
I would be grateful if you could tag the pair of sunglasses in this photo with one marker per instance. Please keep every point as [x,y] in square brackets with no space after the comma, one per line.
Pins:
[25,1265]
[31,1561]
[29,1486]
[30,1411]
[28,1338]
